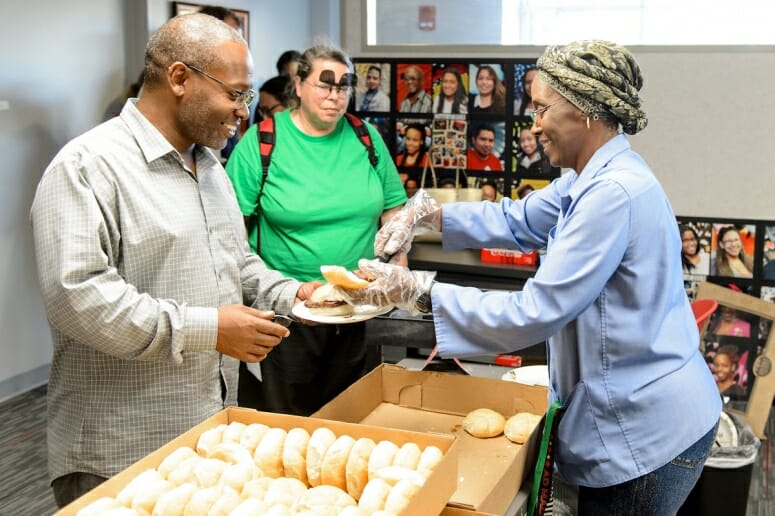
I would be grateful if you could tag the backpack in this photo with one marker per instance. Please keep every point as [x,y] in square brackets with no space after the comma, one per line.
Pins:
[266,141]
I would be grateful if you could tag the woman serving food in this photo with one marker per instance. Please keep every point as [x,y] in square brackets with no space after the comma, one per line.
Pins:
[622,341]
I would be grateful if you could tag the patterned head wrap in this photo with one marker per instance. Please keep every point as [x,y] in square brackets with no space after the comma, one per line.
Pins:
[600,78]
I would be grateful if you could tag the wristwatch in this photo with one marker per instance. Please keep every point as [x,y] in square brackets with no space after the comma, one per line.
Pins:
[423,303]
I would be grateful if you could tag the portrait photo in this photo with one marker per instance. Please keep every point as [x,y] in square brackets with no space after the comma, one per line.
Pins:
[696,238]
[524,73]
[486,143]
[487,91]
[732,250]
[450,89]
[372,92]
[413,88]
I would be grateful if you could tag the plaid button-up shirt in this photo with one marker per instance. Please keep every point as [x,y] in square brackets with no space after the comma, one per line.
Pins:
[134,256]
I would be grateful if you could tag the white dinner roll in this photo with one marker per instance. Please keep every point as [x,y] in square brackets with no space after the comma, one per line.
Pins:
[236,475]
[230,452]
[400,496]
[374,495]
[269,453]
[407,456]
[357,468]
[226,502]
[351,510]
[208,439]
[324,500]
[382,456]
[172,460]
[285,491]
[429,458]
[233,432]
[208,472]
[122,511]
[99,506]
[143,481]
[252,435]
[333,467]
[173,502]
[319,442]
[295,454]
[519,426]
[278,510]
[249,507]
[256,488]
[394,474]
[484,422]
[201,501]
[145,499]
[184,472]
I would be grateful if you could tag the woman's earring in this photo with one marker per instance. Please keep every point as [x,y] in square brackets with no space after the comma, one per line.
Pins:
[587,122]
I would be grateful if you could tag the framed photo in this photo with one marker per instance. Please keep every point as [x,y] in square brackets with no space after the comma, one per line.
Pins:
[244,16]
[743,315]
[372,93]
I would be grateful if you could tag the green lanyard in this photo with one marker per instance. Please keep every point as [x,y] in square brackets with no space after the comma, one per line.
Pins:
[541,494]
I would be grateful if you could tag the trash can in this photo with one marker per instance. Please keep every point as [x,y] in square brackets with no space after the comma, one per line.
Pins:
[726,477]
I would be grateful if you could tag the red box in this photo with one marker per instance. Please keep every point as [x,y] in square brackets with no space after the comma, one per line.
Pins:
[509,256]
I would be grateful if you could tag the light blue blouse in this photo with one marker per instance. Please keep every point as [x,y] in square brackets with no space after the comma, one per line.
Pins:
[609,297]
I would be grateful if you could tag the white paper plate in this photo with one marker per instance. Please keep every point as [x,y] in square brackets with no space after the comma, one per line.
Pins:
[362,313]
[528,375]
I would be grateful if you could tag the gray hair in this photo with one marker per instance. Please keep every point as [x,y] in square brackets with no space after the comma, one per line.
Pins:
[189,38]
[322,51]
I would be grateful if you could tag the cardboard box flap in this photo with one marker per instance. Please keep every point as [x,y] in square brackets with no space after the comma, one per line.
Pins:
[458,394]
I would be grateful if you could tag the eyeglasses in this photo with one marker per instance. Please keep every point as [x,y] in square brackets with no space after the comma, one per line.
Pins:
[539,113]
[268,111]
[731,241]
[324,90]
[410,78]
[239,97]
[690,239]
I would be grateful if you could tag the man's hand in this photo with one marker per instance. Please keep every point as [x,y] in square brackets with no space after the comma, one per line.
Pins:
[394,238]
[247,334]
[394,285]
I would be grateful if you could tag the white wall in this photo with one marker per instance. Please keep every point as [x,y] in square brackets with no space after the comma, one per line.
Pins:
[58,72]
[711,116]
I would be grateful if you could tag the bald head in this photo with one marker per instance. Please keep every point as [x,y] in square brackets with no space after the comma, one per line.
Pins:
[188,38]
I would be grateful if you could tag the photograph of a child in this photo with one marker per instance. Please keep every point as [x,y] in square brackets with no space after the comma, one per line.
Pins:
[730,351]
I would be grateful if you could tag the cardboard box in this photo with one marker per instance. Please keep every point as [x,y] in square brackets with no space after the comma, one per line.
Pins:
[490,471]
[431,499]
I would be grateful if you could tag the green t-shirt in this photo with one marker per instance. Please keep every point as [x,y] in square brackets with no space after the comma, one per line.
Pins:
[322,199]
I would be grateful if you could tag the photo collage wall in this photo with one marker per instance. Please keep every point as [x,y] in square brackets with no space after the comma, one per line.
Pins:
[739,255]
[469,120]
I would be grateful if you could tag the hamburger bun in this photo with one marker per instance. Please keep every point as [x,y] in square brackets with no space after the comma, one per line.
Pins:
[484,422]
[333,467]
[319,442]
[519,427]
[325,300]
[341,277]
[295,454]
[357,468]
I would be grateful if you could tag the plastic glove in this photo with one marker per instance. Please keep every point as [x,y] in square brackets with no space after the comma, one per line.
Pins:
[395,237]
[395,285]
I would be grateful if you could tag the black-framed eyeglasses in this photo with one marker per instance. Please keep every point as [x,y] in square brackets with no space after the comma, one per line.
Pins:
[268,111]
[539,113]
[239,97]
[324,90]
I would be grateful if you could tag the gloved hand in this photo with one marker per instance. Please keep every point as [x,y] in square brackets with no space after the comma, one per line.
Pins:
[395,285]
[395,237]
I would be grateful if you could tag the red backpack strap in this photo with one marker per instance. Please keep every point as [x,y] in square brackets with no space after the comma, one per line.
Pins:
[359,126]
[266,139]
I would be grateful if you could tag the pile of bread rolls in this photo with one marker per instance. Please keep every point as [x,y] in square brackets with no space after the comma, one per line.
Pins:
[484,423]
[245,469]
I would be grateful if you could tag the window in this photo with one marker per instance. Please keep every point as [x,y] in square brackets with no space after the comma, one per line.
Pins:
[543,22]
